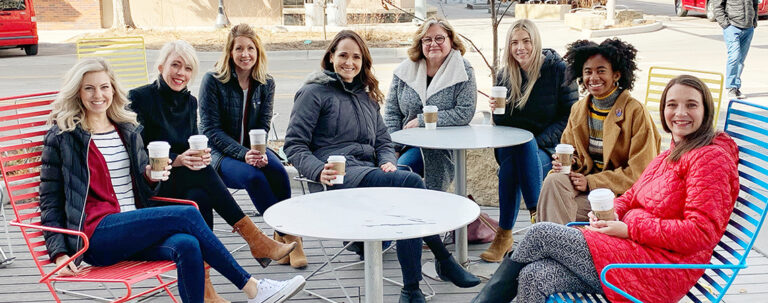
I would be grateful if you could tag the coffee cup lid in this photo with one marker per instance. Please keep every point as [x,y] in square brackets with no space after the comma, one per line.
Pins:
[499,90]
[601,194]
[430,108]
[337,159]
[158,144]
[257,132]
[198,138]
[564,148]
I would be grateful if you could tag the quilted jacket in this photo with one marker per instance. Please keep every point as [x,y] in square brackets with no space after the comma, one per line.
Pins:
[676,213]
[221,114]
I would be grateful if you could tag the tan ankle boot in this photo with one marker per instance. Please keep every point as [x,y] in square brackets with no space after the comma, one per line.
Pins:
[286,259]
[297,257]
[263,249]
[210,294]
[501,244]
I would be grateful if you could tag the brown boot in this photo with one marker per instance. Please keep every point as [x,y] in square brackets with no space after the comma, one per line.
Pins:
[263,249]
[286,259]
[298,259]
[210,294]
[501,244]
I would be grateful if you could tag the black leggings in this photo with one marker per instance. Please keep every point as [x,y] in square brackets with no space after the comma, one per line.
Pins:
[206,189]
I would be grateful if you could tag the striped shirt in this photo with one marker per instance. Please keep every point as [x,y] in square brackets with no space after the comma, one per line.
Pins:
[598,111]
[111,147]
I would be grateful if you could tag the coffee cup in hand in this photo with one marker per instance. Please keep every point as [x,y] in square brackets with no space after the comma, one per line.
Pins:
[430,117]
[198,143]
[258,140]
[564,153]
[499,96]
[339,165]
[158,158]
[601,201]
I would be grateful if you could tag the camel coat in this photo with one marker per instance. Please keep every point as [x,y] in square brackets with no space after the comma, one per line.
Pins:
[630,142]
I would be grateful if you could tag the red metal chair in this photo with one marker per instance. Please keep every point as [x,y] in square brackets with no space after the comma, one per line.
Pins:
[22,127]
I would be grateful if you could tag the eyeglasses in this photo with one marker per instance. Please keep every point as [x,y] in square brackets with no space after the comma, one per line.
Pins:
[428,40]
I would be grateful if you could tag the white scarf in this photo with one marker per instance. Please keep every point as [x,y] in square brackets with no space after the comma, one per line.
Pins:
[414,74]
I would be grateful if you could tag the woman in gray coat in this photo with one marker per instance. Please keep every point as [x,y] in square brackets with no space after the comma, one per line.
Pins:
[337,113]
[435,74]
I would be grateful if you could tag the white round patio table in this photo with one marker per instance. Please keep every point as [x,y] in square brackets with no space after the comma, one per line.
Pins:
[459,139]
[372,215]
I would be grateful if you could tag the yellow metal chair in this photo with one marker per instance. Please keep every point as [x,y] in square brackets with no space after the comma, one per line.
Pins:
[658,77]
[126,54]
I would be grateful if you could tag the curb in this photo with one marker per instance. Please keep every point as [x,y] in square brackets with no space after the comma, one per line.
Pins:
[587,33]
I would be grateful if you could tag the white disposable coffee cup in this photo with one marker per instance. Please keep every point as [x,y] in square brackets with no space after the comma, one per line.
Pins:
[198,143]
[158,158]
[430,117]
[258,140]
[339,165]
[564,153]
[499,95]
[601,201]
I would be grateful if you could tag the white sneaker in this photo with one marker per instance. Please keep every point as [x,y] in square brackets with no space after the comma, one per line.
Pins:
[271,291]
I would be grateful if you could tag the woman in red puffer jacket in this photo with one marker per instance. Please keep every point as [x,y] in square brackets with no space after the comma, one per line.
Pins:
[675,213]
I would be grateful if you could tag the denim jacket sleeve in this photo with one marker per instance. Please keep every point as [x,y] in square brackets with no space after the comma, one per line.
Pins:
[211,120]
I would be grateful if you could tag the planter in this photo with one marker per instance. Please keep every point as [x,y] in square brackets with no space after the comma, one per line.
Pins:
[541,11]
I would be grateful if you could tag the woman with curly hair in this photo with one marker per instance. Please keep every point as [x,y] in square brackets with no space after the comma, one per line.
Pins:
[675,213]
[612,133]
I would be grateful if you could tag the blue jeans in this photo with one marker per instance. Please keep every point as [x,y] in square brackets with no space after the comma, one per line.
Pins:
[521,171]
[266,186]
[176,233]
[413,159]
[737,42]
[408,250]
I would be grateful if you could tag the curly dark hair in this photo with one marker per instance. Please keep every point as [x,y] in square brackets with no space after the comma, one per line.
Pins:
[621,55]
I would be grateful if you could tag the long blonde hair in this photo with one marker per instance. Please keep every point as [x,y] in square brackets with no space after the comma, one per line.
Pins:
[68,109]
[510,69]
[223,67]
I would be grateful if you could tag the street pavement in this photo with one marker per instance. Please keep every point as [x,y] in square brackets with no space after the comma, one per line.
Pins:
[687,42]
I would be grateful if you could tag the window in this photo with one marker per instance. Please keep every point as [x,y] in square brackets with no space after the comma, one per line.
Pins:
[12,5]
[287,3]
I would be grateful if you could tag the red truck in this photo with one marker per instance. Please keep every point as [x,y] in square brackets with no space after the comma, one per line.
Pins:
[18,25]
[708,6]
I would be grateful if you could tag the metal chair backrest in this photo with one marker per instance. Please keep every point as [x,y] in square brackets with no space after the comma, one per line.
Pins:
[747,124]
[127,56]
[658,77]
[22,127]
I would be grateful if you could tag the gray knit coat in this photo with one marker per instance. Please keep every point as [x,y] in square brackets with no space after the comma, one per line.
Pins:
[453,90]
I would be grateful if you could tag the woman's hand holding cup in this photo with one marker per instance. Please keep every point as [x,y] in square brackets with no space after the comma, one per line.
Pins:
[256,158]
[164,176]
[556,165]
[327,174]
[193,159]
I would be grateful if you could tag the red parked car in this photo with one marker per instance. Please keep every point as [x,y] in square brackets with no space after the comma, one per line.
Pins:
[708,6]
[18,25]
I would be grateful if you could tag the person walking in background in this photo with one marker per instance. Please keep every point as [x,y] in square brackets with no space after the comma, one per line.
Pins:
[435,74]
[337,113]
[539,100]
[738,18]
[612,133]
[168,112]
[238,96]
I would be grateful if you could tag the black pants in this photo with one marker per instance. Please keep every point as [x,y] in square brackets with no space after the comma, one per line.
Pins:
[206,189]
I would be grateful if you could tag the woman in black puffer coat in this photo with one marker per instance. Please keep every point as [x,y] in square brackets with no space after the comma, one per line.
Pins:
[539,100]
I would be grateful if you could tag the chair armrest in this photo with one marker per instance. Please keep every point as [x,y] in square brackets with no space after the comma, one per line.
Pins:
[173,200]
[406,167]
[61,231]
[577,224]
[306,180]
[659,266]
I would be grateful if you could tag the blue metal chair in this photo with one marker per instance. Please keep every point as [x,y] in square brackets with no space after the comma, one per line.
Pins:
[747,124]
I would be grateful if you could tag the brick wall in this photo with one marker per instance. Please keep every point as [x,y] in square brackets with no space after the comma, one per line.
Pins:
[68,14]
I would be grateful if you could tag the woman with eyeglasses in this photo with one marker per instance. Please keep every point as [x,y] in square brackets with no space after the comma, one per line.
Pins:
[435,73]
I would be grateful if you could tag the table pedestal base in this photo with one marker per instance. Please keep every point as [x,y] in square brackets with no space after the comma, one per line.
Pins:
[374,284]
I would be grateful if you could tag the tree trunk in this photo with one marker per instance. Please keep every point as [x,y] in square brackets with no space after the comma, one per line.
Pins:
[495,28]
[122,14]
